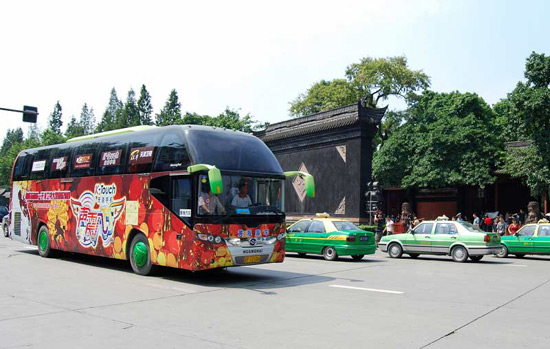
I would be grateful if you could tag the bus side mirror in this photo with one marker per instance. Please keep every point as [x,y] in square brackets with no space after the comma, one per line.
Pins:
[214,176]
[309,182]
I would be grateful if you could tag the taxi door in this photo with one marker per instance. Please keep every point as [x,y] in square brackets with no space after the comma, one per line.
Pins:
[542,240]
[294,236]
[420,239]
[315,239]
[444,236]
[524,241]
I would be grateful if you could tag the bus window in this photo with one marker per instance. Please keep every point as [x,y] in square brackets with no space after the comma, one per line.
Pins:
[172,154]
[84,160]
[181,198]
[112,157]
[59,163]
[22,167]
[39,164]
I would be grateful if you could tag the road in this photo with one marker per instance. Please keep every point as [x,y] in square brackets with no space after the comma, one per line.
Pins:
[431,302]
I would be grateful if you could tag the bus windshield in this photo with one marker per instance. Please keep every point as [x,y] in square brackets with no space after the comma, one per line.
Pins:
[242,196]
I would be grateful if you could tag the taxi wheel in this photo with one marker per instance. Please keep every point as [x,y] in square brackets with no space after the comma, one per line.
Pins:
[476,258]
[5,229]
[459,254]
[357,257]
[140,257]
[520,255]
[329,253]
[503,253]
[395,250]
[414,255]
[44,243]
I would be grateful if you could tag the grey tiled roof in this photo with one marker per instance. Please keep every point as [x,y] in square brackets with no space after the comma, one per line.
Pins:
[331,119]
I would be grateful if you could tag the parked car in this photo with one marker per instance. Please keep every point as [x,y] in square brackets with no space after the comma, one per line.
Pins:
[530,239]
[458,239]
[5,225]
[330,237]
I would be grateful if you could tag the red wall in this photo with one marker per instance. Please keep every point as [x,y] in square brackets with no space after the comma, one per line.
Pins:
[431,210]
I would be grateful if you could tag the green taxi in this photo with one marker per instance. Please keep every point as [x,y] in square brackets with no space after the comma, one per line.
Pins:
[458,239]
[331,237]
[530,239]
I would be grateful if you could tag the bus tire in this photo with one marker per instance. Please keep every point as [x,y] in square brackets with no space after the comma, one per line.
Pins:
[43,242]
[140,256]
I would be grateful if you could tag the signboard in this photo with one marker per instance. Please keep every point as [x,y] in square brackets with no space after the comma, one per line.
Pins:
[143,155]
[83,161]
[38,166]
[59,164]
[110,158]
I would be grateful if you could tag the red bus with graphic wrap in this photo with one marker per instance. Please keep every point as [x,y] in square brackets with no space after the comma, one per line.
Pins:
[190,197]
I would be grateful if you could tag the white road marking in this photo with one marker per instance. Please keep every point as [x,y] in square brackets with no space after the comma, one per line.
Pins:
[516,265]
[367,289]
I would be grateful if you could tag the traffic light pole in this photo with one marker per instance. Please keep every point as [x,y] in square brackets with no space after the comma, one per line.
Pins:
[29,113]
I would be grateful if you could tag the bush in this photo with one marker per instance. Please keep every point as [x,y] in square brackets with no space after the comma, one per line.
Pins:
[367,227]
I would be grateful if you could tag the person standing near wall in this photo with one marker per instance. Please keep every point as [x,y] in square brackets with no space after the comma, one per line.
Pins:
[389,226]
[379,221]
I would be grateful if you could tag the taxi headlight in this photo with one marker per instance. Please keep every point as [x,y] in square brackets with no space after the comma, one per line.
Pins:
[281,236]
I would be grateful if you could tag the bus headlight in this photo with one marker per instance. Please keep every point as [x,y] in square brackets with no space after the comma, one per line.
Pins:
[216,239]
[234,242]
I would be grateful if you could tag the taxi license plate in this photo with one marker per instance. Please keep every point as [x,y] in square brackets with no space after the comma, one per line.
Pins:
[252,259]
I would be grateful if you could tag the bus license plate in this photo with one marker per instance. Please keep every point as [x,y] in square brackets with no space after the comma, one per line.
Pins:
[252,259]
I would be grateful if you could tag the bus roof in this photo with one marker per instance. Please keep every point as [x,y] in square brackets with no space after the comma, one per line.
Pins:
[112,133]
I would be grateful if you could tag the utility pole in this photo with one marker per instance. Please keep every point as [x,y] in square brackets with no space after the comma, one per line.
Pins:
[29,113]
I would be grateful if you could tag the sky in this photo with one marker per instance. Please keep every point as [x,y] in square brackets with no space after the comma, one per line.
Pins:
[254,56]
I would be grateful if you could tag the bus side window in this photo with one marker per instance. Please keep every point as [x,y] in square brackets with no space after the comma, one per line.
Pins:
[112,157]
[59,162]
[22,167]
[39,165]
[172,155]
[181,198]
[84,160]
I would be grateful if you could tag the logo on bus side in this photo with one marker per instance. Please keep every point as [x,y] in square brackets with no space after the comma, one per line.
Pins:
[96,214]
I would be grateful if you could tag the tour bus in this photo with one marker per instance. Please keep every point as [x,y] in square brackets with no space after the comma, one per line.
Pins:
[187,196]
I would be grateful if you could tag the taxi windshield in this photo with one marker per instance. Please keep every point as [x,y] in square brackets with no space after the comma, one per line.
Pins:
[470,227]
[343,225]
[242,195]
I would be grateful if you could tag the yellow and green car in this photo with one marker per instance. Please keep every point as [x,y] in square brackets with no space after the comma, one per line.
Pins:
[458,239]
[331,237]
[530,239]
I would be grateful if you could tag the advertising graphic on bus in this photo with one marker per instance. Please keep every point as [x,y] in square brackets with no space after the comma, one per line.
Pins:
[190,197]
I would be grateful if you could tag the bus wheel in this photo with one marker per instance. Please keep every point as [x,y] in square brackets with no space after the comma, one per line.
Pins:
[140,257]
[44,247]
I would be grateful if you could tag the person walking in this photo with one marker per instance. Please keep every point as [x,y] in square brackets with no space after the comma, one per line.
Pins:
[379,221]
[513,227]
[476,221]
[388,230]
[500,228]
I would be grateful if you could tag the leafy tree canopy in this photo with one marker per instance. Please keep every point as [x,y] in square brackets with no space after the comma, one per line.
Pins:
[446,140]
[371,80]
[54,121]
[145,107]
[171,113]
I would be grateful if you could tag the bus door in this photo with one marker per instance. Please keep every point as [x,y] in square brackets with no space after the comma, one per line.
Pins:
[20,222]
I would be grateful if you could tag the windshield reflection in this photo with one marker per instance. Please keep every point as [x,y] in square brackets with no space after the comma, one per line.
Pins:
[242,196]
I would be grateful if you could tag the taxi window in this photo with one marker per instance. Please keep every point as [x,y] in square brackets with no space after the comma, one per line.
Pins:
[299,227]
[445,228]
[528,230]
[316,227]
[344,225]
[544,230]
[424,228]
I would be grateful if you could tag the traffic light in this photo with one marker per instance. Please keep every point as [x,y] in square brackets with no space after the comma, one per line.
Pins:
[30,114]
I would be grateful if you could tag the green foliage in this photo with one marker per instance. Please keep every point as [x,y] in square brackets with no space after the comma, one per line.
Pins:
[171,113]
[130,114]
[12,137]
[528,109]
[324,95]
[447,140]
[111,113]
[54,121]
[74,129]
[145,107]
[371,80]
[50,137]
[230,119]
[371,228]
[87,120]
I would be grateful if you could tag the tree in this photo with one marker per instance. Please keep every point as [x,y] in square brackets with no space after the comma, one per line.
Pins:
[87,119]
[12,137]
[54,121]
[145,107]
[171,113]
[50,137]
[130,115]
[528,108]
[74,129]
[371,80]
[114,108]
[447,140]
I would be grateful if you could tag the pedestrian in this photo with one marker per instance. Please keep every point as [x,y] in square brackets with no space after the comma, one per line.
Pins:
[459,217]
[513,227]
[500,226]
[521,216]
[476,221]
[488,222]
[388,230]
[379,221]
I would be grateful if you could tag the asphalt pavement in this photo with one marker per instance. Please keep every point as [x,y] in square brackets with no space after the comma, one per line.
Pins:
[430,302]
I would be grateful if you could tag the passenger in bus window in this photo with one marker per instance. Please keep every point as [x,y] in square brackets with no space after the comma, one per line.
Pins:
[208,202]
[242,200]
